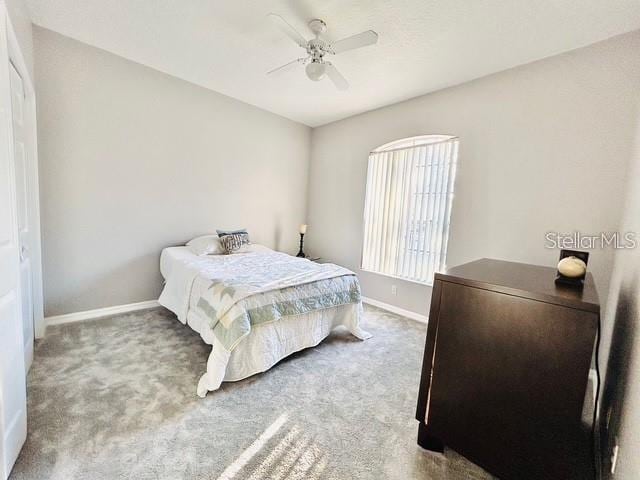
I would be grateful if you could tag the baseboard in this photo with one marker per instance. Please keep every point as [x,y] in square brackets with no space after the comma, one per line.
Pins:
[132,307]
[99,312]
[418,317]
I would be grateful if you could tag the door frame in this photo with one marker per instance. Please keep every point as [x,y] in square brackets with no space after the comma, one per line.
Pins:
[16,57]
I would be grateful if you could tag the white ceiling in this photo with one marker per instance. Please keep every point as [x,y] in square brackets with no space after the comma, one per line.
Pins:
[424,45]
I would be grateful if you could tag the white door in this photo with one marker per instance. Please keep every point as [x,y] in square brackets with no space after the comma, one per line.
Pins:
[13,406]
[20,142]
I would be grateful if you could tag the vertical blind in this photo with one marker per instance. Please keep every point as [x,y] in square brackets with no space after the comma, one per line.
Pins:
[408,207]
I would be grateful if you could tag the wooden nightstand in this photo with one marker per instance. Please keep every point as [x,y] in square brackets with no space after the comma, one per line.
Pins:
[504,380]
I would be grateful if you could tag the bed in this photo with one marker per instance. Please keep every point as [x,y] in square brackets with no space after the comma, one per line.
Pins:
[257,307]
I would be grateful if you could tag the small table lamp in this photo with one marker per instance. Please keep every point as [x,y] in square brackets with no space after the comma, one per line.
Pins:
[303,230]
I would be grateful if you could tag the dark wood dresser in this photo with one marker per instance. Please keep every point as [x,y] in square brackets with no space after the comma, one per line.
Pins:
[506,368]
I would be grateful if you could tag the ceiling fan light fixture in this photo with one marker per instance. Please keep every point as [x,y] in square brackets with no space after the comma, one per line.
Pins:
[316,71]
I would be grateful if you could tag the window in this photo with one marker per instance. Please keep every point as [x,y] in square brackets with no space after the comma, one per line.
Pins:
[408,206]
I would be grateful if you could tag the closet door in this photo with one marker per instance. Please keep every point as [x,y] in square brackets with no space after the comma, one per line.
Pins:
[13,408]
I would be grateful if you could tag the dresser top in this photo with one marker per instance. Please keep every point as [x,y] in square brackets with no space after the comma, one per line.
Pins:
[523,280]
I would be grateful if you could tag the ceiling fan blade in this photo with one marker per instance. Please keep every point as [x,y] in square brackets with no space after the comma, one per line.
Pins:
[287,66]
[287,29]
[355,41]
[336,77]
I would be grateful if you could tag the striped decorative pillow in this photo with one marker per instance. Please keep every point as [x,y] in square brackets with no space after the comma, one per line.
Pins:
[222,233]
[234,241]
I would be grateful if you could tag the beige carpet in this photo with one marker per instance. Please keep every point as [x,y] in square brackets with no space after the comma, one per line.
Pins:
[115,399]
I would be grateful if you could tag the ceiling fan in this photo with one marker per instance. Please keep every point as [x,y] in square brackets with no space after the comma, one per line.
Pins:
[317,67]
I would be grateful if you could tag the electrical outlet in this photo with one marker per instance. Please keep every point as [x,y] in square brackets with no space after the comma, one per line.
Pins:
[614,457]
[394,290]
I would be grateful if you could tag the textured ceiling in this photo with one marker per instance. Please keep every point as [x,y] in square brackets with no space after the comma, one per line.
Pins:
[424,45]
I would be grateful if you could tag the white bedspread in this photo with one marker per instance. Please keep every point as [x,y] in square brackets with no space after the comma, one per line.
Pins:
[262,283]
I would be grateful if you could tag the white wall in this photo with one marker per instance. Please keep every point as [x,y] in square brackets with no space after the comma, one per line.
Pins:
[543,147]
[133,160]
[621,346]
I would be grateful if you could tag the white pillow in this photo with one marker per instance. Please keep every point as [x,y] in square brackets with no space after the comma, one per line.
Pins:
[206,245]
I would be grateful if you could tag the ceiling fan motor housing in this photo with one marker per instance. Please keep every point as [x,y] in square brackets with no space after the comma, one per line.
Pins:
[317,49]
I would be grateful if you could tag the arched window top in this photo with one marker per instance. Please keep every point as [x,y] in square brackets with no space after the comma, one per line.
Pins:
[412,142]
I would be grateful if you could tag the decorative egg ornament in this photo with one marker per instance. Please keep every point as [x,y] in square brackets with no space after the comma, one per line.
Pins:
[572,268]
